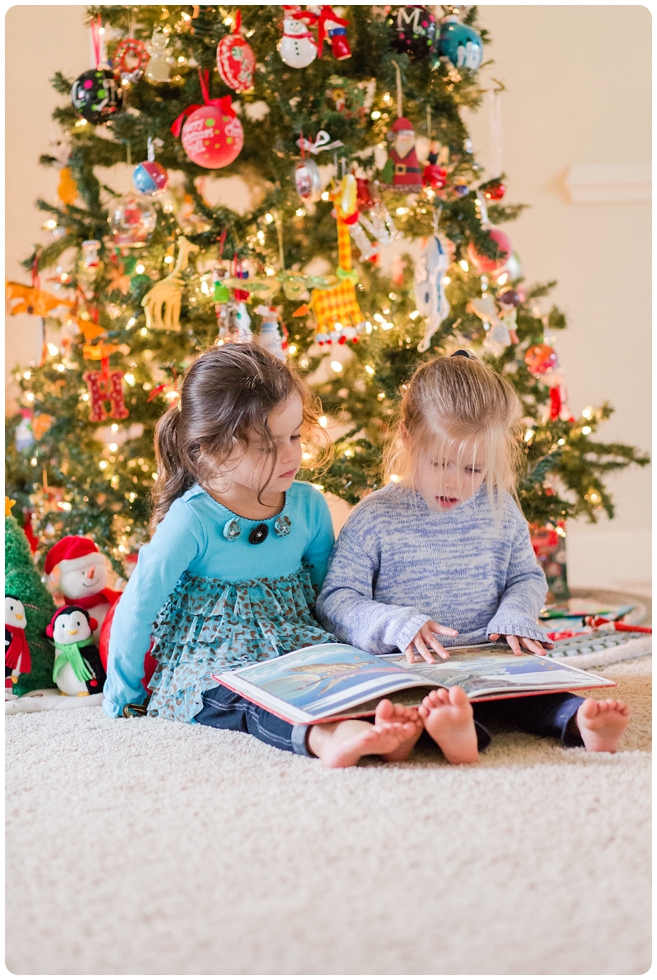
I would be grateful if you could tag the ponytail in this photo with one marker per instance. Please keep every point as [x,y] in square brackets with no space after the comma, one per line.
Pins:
[173,480]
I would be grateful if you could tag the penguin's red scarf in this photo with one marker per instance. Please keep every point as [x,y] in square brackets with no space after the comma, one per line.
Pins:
[18,650]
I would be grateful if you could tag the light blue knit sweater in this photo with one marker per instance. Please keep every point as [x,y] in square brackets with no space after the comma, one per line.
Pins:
[398,564]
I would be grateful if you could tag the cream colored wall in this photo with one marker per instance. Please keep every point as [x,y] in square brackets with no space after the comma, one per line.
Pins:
[577,92]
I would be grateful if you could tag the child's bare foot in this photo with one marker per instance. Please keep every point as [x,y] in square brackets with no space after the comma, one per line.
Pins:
[342,744]
[448,717]
[601,724]
[386,711]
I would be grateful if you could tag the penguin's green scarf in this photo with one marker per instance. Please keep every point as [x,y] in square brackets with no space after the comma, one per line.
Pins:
[69,653]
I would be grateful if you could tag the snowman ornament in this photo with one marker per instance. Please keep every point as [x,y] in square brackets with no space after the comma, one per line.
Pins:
[17,651]
[82,577]
[297,47]
[78,669]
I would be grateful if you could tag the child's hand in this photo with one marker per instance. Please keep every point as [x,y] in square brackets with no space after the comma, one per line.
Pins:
[514,642]
[425,638]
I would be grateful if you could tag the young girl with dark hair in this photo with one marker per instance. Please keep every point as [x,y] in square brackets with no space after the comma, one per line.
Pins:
[239,551]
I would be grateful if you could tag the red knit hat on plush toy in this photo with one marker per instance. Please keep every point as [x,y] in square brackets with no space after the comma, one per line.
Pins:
[69,549]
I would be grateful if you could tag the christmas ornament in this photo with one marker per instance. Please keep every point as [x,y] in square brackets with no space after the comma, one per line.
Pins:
[269,336]
[430,298]
[500,328]
[67,189]
[493,190]
[297,47]
[158,65]
[484,264]
[336,309]
[329,24]
[32,300]
[220,292]
[96,95]
[162,304]
[23,436]
[90,258]
[434,176]
[372,216]
[76,673]
[132,220]
[41,424]
[212,135]
[460,44]
[321,142]
[118,279]
[541,358]
[235,59]
[23,582]
[75,568]
[150,177]
[402,170]
[130,60]
[18,659]
[234,323]
[412,31]
[308,180]
[105,386]
[350,98]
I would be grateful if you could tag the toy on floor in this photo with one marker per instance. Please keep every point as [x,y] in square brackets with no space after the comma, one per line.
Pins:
[82,577]
[75,673]
[17,651]
[29,653]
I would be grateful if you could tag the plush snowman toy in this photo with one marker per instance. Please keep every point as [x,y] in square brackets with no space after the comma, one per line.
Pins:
[78,668]
[17,651]
[297,47]
[82,576]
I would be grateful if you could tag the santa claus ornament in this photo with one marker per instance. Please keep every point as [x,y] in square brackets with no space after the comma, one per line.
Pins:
[78,669]
[212,135]
[402,171]
[77,569]
[235,59]
[17,652]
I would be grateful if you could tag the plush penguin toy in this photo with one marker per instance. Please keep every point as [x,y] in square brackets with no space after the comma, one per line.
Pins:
[17,651]
[78,668]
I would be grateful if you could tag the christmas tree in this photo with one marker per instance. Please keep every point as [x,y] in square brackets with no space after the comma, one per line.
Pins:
[23,583]
[344,126]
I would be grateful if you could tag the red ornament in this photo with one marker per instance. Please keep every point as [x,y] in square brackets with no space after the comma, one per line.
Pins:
[105,386]
[130,60]
[483,263]
[236,60]
[212,135]
[493,190]
[329,24]
[540,358]
[434,176]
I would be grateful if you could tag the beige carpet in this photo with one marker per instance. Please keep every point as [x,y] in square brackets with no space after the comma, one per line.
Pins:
[147,847]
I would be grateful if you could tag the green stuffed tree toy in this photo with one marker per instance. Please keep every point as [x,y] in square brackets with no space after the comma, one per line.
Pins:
[29,607]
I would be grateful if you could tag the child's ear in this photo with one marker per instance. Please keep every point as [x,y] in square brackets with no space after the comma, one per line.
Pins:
[403,434]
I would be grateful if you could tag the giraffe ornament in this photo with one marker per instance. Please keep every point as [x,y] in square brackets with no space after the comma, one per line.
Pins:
[336,309]
[162,303]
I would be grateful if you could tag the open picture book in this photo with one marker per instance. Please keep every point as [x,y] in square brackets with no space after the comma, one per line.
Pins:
[333,681]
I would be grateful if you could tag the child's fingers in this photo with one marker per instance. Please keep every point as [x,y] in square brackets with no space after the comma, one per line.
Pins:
[410,655]
[439,628]
[429,638]
[533,646]
[514,644]
[423,649]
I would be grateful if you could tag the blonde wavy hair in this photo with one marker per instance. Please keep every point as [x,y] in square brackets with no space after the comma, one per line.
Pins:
[456,404]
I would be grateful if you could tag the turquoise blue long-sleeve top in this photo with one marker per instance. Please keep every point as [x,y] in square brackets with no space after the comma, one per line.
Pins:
[190,539]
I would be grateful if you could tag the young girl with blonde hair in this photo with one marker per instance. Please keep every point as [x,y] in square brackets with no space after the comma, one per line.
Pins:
[444,551]
[238,552]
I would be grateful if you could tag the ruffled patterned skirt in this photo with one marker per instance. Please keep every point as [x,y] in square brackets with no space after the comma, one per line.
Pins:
[207,626]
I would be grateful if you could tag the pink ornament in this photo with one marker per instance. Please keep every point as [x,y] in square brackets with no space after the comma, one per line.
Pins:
[486,265]
[236,60]
[213,137]
[541,358]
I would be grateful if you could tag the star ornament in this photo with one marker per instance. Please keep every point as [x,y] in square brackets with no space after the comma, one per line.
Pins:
[9,504]
[119,280]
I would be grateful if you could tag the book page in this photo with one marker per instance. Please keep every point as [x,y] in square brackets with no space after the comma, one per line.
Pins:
[494,669]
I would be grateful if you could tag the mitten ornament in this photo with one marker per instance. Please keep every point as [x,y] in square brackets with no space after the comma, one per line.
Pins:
[76,569]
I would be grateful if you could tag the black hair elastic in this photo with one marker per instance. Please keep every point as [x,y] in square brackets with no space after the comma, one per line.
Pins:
[463,353]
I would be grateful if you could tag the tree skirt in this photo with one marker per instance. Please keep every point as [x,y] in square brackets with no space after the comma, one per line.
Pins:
[48,699]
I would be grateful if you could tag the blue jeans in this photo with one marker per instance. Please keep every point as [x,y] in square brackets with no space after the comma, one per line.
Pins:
[538,714]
